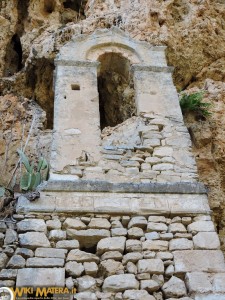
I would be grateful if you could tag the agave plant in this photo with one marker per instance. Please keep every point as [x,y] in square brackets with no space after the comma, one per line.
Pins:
[33,175]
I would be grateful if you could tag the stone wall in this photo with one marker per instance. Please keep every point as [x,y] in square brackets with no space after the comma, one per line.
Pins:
[148,148]
[115,257]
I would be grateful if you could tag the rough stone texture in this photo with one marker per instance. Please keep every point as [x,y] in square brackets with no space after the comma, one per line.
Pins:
[120,283]
[31,225]
[74,224]
[33,240]
[41,277]
[44,262]
[57,234]
[155,245]
[134,295]
[152,266]
[111,267]
[156,227]
[198,260]
[180,244]
[26,253]
[16,262]
[99,223]
[150,285]
[10,237]
[81,256]
[74,269]
[89,237]
[138,222]
[91,268]
[50,252]
[69,244]
[133,245]
[111,244]
[199,282]
[201,226]
[175,287]
[86,283]
[206,240]
[3,260]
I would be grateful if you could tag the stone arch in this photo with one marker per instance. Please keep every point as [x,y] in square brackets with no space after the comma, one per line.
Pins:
[127,52]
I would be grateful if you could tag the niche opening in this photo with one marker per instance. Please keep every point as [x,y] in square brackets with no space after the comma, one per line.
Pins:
[14,56]
[116,90]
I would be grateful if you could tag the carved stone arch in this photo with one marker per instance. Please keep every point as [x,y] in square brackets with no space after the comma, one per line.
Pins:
[127,52]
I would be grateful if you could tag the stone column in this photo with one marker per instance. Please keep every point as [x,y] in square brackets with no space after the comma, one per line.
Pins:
[76,115]
[155,91]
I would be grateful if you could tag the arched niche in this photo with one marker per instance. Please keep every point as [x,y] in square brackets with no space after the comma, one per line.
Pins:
[116,89]
[81,66]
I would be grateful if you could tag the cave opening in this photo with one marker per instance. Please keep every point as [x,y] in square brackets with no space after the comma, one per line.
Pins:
[49,6]
[39,81]
[14,56]
[76,5]
[116,90]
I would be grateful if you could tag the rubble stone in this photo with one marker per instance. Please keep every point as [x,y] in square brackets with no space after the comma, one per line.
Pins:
[152,266]
[111,244]
[44,277]
[33,240]
[175,287]
[31,225]
[120,283]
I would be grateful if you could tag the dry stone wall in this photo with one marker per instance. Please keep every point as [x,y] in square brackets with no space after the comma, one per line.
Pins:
[149,148]
[115,257]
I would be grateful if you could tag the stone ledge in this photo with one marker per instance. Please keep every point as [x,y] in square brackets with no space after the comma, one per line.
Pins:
[106,186]
[119,203]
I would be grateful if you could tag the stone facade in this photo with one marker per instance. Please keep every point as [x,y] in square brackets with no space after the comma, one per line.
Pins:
[78,150]
[115,257]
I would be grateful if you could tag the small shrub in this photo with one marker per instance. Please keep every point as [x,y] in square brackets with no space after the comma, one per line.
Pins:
[193,103]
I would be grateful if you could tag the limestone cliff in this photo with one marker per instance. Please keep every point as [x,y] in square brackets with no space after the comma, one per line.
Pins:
[33,31]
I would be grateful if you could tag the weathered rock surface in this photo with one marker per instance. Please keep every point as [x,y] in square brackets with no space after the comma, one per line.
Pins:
[31,225]
[120,283]
[135,295]
[16,262]
[81,256]
[175,287]
[89,237]
[111,244]
[33,240]
[152,266]
[41,277]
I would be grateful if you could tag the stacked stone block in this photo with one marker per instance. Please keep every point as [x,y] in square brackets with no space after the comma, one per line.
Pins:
[148,148]
[115,257]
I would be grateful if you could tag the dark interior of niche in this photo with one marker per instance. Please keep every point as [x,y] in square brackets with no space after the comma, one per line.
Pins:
[116,91]
[13,57]
[39,80]
[76,5]
[49,6]
[22,9]
[90,249]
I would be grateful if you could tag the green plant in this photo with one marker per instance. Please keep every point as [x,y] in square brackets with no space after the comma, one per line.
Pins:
[194,103]
[33,175]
